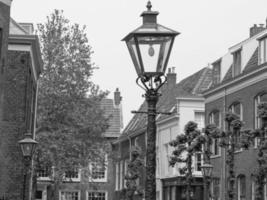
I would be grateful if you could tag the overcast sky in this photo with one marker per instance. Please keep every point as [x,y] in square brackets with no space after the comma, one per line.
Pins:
[208,28]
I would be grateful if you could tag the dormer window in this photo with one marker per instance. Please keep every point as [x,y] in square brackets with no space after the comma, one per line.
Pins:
[236,63]
[216,72]
[262,50]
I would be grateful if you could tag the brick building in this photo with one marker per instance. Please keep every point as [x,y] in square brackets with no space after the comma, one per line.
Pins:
[77,185]
[20,67]
[239,85]
[185,102]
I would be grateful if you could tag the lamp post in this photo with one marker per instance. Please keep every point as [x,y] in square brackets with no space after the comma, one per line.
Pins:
[150,47]
[206,170]
[28,146]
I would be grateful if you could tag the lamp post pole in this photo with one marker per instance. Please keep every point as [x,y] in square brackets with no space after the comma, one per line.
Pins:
[28,146]
[150,183]
[150,47]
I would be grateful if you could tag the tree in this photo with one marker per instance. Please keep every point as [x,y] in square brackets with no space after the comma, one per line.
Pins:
[259,136]
[135,166]
[185,146]
[70,122]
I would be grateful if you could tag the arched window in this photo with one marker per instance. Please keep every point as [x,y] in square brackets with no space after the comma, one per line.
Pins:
[237,109]
[214,118]
[257,122]
[260,98]
[241,187]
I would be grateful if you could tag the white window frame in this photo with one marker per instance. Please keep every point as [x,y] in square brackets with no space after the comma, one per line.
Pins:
[231,108]
[262,55]
[98,191]
[257,124]
[265,191]
[234,66]
[253,191]
[117,174]
[121,175]
[46,178]
[79,193]
[239,186]
[202,120]
[98,180]
[78,179]
[211,120]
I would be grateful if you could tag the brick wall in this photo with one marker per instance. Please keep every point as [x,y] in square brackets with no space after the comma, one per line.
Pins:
[12,126]
[245,161]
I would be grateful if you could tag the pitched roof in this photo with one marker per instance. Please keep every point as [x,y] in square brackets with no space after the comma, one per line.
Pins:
[114,114]
[190,87]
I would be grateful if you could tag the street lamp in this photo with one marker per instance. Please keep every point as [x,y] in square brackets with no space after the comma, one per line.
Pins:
[150,46]
[206,170]
[28,146]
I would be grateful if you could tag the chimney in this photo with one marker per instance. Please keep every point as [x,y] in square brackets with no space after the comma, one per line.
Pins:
[254,30]
[117,97]
[171,78]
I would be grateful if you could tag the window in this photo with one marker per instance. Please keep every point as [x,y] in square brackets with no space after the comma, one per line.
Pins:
[241,187]
[117,177]
[237,109]
[44,174]
[121,175]
[198,161]
[215,188]
[72,175]
[214,118]
[39,195]
[253,189]
[96,195]
[262,50]
[69,195]
[200,120]
[265,190]
[216,72]
[98,171]
[258,100]
[236,63]
[257,124]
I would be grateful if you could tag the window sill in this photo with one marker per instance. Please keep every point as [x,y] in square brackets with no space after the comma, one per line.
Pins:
[44,179]
[215,156]
[98,180]
[239,151]
[72,180]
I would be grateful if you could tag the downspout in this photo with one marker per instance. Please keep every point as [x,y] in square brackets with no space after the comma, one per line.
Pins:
[130,147]
[224,174]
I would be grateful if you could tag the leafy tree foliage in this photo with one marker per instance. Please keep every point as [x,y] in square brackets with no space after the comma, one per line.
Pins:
[185,145]
[135,167]
[259,136]
[70,122]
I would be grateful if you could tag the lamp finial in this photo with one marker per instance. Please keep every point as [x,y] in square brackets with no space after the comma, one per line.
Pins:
[149,6]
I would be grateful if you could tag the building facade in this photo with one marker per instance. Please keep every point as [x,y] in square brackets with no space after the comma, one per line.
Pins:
[77,185]
[20,67]
[239,85]
[185,102]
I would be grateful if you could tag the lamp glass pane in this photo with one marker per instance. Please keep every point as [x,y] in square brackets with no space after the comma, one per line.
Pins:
[163,56]
[27,149]
[154,51]
[133,52]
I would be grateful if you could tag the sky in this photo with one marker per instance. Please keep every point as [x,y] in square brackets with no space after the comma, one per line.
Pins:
[208,28]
